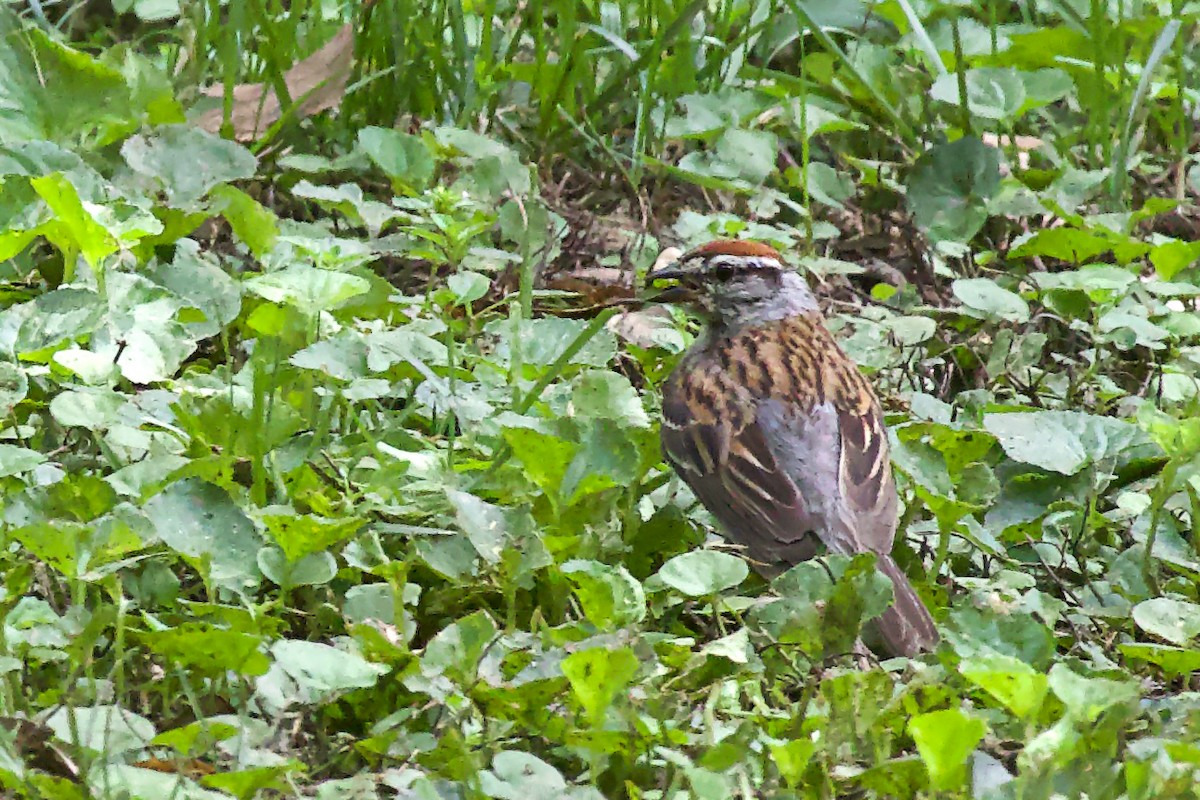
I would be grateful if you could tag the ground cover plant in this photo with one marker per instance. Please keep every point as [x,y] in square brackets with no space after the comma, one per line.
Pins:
[330,459]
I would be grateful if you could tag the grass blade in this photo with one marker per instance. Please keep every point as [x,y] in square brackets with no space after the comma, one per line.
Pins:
[1162,44]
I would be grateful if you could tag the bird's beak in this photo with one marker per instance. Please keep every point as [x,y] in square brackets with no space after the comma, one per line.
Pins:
[677,293]
[670,271]
[668,268]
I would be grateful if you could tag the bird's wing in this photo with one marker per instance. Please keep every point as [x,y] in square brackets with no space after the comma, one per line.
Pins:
[726,460]
[865,475]
[840,456]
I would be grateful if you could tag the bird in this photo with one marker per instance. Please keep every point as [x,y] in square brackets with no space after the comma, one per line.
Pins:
[775,429]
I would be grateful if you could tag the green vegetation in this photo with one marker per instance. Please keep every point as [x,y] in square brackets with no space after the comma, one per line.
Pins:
[330,456]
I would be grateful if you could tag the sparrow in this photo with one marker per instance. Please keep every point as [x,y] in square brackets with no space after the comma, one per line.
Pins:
[775,429]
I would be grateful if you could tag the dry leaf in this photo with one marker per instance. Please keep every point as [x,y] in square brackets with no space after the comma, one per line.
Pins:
[641,327]
[1023,144]
[192,767]
[36,747]
[666,257]
[315,84]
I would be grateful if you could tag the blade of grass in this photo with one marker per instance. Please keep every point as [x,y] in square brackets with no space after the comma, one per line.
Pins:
[800,10]
[932,56]
[1069,15]
[1162,45]
[465,94]
[960,71]
[619,80]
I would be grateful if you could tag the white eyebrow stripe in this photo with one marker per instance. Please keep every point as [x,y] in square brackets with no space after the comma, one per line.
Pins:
[759,262]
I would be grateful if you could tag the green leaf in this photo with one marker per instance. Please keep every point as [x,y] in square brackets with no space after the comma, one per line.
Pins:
[156,10]
[251,222]
[792,759]
[197,278]
[737,155]
[456,650]
[1101,283]
[205,649]
[93,409]
[809,119]
[981,633]
[1176,621]
[990,300]
[54,318]
[453,557]
[322,669]
[76,230]
[52,91]
[187,162]
[1173,256]
[523,776]
[994,93]
[403,157]
[703,572]
[493,168]
[597,675]
[146,319]
[76,550]
[610,454]
[544,339]
[16,460]
[314,569]
[483,523]
[349,199]
[258,781]
[826,185]
[609,595]
[138,783]
[299,535]
[200,521]
[708,785]
[1064,244]
[1142,331]
[103,729]
[468,286]
[196,737]
[604,394]
[1172,660]
[1179,438]
[1042,441]
[1014,683]
[1087,698]
[543,457]
[307,288]
[1062,441]
[949,186]
[735,647]
[944,741]
[14,386]
[708,114]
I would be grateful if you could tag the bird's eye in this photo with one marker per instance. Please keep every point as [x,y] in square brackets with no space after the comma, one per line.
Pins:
[723,272]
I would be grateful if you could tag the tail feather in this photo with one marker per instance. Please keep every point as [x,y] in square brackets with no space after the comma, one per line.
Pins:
[906,627]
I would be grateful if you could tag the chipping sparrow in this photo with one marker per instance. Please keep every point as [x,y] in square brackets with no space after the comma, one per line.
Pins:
[775,429]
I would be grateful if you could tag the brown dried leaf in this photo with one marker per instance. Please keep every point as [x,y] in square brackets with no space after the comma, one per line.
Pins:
[596,285]
[642,327]
[668,255]
[1023,144]
[315,84]
[35,746]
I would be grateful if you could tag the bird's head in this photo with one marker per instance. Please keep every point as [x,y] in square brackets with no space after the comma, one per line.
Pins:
[734,282]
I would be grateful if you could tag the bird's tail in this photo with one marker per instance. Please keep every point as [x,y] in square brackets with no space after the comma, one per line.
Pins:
[905,627]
